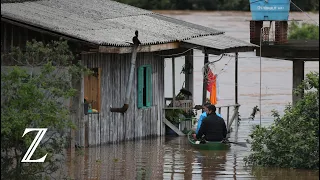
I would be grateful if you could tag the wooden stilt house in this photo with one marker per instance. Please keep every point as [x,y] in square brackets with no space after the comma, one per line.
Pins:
[99,31]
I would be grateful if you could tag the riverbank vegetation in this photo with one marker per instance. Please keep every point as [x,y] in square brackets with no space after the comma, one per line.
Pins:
[292,140]
[212,5]
[303,31]
[35,94]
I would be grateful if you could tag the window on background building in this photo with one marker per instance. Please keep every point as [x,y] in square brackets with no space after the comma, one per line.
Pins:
[144,86]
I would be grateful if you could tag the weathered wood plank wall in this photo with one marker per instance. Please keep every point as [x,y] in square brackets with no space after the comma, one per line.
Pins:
[135,123]
[14,35]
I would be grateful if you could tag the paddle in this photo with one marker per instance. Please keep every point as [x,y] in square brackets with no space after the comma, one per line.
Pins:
[242,144]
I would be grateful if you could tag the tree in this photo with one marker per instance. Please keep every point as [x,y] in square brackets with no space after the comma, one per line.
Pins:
[35,94]
[303,31]
[292,140]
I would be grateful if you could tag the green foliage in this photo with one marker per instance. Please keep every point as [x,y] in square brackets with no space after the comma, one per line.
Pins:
[35,95]
[292,140]
[303,31]
[173,115]
[233,5]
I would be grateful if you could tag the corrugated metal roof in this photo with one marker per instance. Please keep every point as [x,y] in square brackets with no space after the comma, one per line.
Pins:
[110,23]
[94,9]
[219,42]
[103,22]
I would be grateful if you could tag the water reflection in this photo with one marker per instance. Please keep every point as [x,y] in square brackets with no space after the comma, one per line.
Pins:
[213,163]
[187,163]
[173,158]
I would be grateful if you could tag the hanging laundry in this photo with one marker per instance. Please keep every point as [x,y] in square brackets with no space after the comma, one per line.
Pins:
[213,93]
[212,86]
[209,80]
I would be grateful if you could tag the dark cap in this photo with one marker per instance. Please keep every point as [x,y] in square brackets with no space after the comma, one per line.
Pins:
[212,108]
[207,104]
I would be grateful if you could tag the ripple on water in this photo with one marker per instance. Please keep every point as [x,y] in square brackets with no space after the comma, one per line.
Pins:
[174,158]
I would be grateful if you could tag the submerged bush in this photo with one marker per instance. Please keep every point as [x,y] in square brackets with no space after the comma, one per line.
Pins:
[292,140]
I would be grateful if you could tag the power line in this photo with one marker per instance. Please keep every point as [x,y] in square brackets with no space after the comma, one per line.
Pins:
[240,57]
[177,54]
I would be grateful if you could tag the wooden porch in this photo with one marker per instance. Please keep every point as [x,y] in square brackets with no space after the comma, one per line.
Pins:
[230,113]
[186,124]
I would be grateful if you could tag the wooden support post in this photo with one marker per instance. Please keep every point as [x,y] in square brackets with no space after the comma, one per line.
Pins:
[234,117]
[189,73]
[162,112]
[81,113]
[228,111]
[205,80]
[5,37]
[99,90]
[173,127]
[26,36]
[298,76]
[12,36]
[236,79]
[20,35]
[173,83]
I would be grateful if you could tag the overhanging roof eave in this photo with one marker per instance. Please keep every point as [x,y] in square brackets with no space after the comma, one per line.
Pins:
[216,51]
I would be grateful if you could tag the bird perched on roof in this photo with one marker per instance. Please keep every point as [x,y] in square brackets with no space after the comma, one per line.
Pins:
[135,39]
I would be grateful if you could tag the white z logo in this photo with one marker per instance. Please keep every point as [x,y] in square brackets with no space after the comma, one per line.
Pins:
[34,144]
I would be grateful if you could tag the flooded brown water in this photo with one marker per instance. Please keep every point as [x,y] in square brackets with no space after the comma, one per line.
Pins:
[172,157]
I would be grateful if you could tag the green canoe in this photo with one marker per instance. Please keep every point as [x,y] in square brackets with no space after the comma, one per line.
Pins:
[208,145]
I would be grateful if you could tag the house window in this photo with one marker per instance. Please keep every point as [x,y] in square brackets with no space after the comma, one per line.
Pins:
[144,86]
[92,90]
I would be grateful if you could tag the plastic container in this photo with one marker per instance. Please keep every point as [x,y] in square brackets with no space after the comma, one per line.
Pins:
[270,10]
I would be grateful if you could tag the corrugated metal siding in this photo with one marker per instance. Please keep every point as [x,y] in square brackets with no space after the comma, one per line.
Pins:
[103,22]
[135,123]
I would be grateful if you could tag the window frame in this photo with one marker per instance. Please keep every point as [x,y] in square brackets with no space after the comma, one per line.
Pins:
[147,96]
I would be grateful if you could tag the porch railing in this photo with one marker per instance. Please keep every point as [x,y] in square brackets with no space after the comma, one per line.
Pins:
[225,111]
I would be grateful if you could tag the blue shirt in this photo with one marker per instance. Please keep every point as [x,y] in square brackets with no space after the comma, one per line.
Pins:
[202,116]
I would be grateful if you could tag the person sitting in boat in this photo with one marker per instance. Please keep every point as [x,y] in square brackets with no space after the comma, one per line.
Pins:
[213,127]
[204,115]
